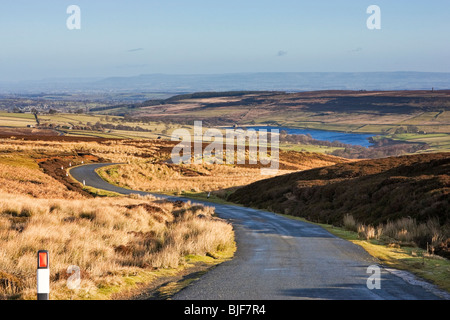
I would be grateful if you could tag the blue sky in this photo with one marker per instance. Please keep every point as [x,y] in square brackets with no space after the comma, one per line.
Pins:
[125,38]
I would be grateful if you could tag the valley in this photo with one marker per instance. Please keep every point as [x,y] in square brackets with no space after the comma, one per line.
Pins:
[392,192]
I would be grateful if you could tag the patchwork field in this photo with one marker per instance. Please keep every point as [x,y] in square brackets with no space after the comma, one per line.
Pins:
[383,113]
[91,125]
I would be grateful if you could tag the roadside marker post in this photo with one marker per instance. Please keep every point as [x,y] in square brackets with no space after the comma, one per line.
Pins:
[43,275]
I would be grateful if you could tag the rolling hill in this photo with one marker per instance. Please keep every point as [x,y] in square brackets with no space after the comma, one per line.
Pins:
[358,111]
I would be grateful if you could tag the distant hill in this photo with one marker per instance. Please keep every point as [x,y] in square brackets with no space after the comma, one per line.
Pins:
[264,81]
[372,191]
[283,81]
[243,107]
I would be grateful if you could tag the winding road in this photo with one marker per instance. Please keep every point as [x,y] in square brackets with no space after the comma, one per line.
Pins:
[278,258]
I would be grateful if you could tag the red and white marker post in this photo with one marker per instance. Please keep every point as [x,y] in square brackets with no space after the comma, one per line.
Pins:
[43,275]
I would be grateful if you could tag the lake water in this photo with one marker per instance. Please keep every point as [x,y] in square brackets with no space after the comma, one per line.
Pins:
[348,138]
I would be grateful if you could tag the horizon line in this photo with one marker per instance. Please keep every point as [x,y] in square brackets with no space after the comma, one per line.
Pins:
[214,74]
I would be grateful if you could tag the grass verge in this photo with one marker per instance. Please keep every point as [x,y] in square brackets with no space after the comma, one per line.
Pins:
[195,267]
[162,284]
[432,268]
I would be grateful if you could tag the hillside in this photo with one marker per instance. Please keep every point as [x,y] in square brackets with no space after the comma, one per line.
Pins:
[403,200]
[347,110]
[419,118]
[373,191]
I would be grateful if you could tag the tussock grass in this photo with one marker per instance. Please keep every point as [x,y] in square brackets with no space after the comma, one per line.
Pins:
[404,231]
[350,223]
[108,239]
[186,178]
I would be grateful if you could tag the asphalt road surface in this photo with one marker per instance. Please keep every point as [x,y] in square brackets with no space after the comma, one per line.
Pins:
[278,258]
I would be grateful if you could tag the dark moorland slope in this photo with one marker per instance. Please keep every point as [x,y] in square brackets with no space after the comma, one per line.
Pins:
[372,191]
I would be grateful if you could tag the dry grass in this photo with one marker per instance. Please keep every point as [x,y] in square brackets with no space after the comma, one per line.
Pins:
[404,231]
[32,181]
[407,230]
[146,168]
[369,232]
[113,241]
[107,239]
[193,178]
[146,174]
[350,223]
[113,150]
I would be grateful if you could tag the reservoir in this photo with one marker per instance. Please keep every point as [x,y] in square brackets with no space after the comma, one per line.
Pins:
[344,137]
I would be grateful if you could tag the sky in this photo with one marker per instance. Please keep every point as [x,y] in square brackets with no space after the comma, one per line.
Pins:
[127,38]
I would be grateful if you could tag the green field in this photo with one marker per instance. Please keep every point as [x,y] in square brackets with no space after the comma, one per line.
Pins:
[73,124]
[64,122]
[307,148]
[437,141]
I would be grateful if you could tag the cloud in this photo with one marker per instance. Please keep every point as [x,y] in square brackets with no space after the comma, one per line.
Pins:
[136,49]
[359,49]
[281,53]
